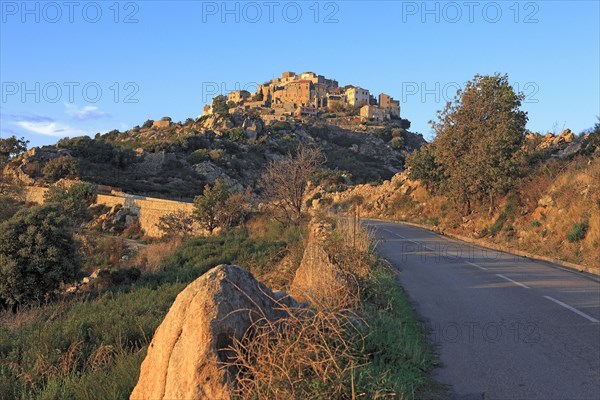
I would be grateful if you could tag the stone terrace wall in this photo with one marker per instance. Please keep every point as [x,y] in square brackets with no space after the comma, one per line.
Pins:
[150,209]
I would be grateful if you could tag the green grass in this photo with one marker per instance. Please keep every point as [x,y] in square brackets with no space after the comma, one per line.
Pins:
[535,223]
[578,232]
[401,355]
[92,349]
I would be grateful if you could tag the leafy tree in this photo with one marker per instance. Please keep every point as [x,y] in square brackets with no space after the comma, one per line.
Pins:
[424,167]
[284,183]
[59,168]
[74,201]
[37,254]
[217,207]
[11,147]
[178,223]
[478,138]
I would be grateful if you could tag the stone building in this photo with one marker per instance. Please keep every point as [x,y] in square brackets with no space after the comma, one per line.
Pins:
[308,94]
[373,112]
[238,96]
[388,103]
[357,96]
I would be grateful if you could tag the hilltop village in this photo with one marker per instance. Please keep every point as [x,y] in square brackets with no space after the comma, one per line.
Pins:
[308,94]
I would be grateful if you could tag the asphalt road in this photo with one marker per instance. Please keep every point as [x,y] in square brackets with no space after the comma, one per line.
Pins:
[504,327]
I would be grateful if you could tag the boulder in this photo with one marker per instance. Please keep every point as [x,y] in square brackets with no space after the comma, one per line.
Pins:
[187,355]
[211,172]
[546,201]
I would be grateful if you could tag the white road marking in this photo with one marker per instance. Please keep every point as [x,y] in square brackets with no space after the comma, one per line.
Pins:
[513,281]
[428,248]
[475,265]
[576,311]
[405,238]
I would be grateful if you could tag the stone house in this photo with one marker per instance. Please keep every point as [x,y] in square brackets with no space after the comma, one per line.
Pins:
[357,96]
[388,103]
[238,96]
[373,112]
[307,93]
[161,124]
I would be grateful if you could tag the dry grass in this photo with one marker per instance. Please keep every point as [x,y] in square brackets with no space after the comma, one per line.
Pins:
[151,257]
[305,355]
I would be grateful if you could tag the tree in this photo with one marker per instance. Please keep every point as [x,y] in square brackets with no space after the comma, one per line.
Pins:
[478,138]
[11,147]
[177,223]
[59,168]
[73,201]
[284,183]
[37,254]
[423,166]
[217,207]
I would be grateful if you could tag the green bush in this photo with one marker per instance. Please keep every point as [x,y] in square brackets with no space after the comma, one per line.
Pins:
[236,135]
[114,277]
[8,207]
[280,126]
[578,232]
[37,254]
[198,156]
[535,223]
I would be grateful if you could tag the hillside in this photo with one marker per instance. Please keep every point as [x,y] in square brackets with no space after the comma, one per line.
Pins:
[175,160]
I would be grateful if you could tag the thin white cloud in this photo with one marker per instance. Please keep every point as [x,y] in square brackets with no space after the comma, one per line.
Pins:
[54,129]
[85,113]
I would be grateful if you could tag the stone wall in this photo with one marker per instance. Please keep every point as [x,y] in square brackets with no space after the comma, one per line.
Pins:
[150,209]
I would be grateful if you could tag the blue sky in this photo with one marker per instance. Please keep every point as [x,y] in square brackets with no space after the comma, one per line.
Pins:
[68,70]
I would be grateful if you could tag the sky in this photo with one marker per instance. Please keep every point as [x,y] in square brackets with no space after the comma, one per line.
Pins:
[77,68]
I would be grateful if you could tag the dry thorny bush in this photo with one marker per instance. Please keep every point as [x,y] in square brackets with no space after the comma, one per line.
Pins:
[307,352]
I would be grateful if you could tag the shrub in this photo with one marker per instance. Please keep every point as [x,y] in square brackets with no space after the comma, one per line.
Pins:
[37,254]
[396,142]
[535,223]
[236,135]
[578,232]
[121,276]
[198,156]
[280,126]
[8,207]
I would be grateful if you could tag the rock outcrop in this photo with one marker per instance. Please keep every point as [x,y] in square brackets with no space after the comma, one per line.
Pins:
[186,357]
[318,279]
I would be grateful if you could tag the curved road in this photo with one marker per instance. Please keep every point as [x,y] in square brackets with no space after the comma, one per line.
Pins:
[504,327]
